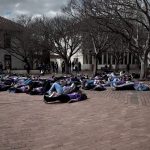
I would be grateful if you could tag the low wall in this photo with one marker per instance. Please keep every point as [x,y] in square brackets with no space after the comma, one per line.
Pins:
[87,67]
[24,71]
[91,66]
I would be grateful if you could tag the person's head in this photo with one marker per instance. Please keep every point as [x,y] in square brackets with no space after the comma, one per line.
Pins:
[63,82]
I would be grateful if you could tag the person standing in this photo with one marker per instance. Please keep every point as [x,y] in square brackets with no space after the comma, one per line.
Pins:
[72,66]
[53,66]
[27,67]
[63,67]
[76,67]
[79,66]
[56,67]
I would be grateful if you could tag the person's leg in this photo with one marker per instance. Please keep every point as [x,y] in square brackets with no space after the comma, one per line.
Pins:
[62,98]
[51,99]
[56,87]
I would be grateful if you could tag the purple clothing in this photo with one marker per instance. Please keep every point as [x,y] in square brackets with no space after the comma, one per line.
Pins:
[75,96]
[23,89]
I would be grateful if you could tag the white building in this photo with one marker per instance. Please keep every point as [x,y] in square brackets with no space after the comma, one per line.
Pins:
[7,29]
[87,60]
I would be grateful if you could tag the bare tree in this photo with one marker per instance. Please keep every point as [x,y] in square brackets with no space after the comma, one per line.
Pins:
[99,37]
[118,50]
[101,42]
[22,44]
[43,33]
[128,18]
[66,38]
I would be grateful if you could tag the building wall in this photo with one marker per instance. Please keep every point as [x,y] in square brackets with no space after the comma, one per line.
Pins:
[87,61]
[107,59]
[78,55]
[1,39]
[15,63]
[8,29]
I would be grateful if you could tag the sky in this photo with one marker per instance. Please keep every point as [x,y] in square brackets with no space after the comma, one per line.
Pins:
[36,8]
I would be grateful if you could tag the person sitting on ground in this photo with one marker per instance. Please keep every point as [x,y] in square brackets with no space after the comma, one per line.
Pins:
[64,98]
[122,73]
[61,88]
[124,86]
[87,84]
[99,84]
[141,87]
[98,81]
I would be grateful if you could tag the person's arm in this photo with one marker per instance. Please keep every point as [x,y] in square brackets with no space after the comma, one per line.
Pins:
[73,100]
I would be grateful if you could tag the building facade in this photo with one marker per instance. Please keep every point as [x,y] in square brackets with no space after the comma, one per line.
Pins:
[87,61]
[108,59]
[7,30]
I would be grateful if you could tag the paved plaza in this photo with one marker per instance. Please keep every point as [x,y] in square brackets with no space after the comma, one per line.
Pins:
[108,120]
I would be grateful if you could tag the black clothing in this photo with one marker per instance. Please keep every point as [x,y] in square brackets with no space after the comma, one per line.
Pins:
[62,98]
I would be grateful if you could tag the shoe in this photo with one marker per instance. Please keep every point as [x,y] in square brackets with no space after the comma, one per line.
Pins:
[45,101]
[45,98]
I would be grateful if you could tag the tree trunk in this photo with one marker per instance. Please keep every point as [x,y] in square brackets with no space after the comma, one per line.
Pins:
[31,63]
[95,66]
[67,69]
[117,66]
[143,71]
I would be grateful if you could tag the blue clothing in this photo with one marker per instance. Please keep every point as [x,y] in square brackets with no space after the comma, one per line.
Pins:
[56,87]
[141,87]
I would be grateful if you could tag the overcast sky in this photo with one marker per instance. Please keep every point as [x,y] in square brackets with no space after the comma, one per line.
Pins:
[11,8]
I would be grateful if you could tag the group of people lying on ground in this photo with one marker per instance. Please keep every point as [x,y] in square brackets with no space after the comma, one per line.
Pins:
[122,81]
[67,88]
[63,89]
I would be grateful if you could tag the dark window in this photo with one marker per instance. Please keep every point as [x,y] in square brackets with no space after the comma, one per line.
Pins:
[7,40]
[133,60]
[90,59]
[75,60]
[113,60]
[105,58]
[129,58]
[121,61]
[85,60]
[109,58]
[125,59]
[7,60]
[100,59]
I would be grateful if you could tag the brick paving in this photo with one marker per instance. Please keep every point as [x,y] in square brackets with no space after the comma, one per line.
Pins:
[108,120]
